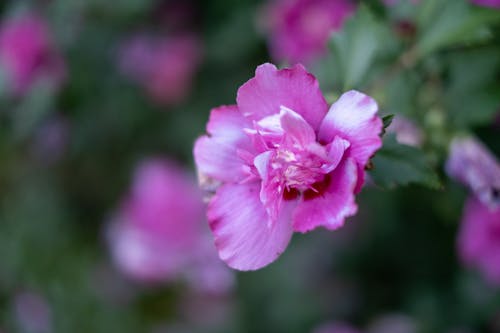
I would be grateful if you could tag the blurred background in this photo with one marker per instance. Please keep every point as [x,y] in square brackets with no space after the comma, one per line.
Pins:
[102,228]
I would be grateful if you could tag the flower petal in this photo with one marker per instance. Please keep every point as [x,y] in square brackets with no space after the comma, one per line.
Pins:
[353,117]
[243,237]
[217,155]
[330,208]
[227,122]
[471,163]
[479,238]
[296,127]
[294,88]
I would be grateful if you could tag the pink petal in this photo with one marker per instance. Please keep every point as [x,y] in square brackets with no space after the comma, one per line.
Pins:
[471,163]
[296,127]
[270,89]
[487,3]
[330,208]
[479,238]
[244,238]
[271,191]
[217,155]
[353,117]
[142,255]
[336,151]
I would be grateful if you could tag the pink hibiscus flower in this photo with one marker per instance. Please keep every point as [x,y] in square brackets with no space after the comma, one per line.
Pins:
[157,234]
[487,3]
[299,29]
[471,163]
[284,161]
[479,239]
[27,52]
[164,66]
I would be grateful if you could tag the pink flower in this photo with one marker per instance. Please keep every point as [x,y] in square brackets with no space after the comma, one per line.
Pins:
[158,235]
[479,239]
[51,139]
[286,163]
[27,52]
[487,3]
[299,29]
[164,66]
[471,163]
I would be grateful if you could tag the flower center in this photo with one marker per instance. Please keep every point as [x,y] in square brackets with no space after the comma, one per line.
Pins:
[298,170]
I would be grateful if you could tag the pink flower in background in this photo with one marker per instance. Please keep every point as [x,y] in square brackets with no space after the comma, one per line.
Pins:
[33,313]
[487,3]
[479,239]
[471,163]
[393,323]
[158,233]
[406,131]
[27,52]
[335,327]
[51,139]
[299,29]
[286,163]
[164,66]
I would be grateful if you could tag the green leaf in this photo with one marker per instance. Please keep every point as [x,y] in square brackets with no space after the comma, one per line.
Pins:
[473,94]
[387,120]
[396,164]
[453,22]
[356,46]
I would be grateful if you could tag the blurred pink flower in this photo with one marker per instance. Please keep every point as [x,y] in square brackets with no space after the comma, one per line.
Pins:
[471,163]
[164,66]
[27,52]
[33,313]
[479,239]
[158,233]
[393,323]
[335,327]
[286,163]
[407,132]
[299,29]
[51,140]
[487,3]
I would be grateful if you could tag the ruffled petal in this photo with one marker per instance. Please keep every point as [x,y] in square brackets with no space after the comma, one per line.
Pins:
[217,155]
[330,208]
[353,117]
[294,88]
[244,238]
[296,127]
[227,122]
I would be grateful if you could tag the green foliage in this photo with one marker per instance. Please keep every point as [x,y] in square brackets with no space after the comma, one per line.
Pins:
[356,46]
[473,95]
[445,23]
[397,164]
[387,120]
[436,63]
